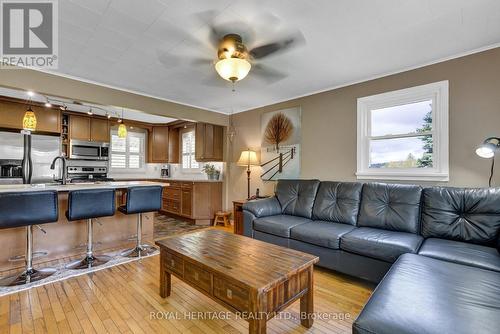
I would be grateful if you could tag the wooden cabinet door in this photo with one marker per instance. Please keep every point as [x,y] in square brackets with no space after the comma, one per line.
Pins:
[209,142]
[47,120]
[173,146]
[218,143]
[186,202]
[79,127]
[159,144]
[99,129]
[199,137]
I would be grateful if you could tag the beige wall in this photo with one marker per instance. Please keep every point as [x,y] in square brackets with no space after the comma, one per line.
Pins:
[329,123]
[58,86]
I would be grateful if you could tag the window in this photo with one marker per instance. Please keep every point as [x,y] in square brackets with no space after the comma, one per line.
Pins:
[403,135]
[188,147]
[129,152]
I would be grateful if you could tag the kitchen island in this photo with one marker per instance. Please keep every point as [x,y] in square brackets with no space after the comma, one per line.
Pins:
[64,240]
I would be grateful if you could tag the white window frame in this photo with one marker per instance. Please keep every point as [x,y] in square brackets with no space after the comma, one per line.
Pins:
[142,154]
[183,169]
[438,93]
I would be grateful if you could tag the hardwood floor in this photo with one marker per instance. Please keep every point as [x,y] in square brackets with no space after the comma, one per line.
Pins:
[125,299]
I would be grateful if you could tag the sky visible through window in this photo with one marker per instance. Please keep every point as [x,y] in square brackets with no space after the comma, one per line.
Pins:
[403,152]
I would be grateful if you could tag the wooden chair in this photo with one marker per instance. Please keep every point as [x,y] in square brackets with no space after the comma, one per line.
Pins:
[222,217]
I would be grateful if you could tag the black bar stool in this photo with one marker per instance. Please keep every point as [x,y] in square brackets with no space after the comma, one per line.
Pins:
[89,204]
[140,200]
[29,208]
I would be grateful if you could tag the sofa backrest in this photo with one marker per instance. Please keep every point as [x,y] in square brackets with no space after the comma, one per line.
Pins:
[296,197]
[393,207]
[338,202]
[470,215]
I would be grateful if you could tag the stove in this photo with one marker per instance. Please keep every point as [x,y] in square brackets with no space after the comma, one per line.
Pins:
[85,174]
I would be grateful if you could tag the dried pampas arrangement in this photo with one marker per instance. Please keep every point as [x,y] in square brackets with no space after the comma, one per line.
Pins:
[278,129]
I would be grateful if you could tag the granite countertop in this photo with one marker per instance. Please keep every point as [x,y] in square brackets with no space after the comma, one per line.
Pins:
[76,186]
[165,180]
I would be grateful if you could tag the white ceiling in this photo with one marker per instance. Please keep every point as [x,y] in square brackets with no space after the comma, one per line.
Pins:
[131,44]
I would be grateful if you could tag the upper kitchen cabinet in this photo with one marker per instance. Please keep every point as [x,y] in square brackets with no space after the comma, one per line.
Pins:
[11,117]
[99,129]
[158,144]
[173,146]
[79,127]
[209,142]
[88,128]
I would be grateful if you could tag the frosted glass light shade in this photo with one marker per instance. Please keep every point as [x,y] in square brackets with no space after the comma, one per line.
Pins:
[233,69]
[29,120]
[122,131]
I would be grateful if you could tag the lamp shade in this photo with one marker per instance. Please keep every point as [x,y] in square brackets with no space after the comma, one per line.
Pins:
[248,158]
[488,148]
[233,69]
[122,131]
[29,120]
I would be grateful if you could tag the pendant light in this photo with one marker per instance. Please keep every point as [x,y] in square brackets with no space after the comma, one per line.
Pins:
[122,129]
[29,120]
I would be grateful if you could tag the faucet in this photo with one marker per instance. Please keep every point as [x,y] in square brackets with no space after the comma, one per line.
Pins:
[64,170]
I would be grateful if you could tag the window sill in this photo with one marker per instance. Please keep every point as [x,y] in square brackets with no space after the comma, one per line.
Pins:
[403,176]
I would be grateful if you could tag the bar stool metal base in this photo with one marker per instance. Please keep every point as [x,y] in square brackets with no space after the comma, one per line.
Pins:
[27,277]
[139,251]
[89,262]
[29,274]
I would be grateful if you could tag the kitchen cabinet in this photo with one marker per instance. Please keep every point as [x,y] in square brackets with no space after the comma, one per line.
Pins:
[173,146]
[88,128]
[99,130]
[209,142]
[158,144]
[195,201]
[79,127]
[48,120]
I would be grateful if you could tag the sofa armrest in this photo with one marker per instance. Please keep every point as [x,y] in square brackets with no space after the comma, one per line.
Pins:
[263,207]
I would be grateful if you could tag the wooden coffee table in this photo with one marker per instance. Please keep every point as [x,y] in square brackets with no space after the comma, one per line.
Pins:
[250,277]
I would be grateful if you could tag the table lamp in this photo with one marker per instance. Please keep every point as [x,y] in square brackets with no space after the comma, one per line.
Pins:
[248,158]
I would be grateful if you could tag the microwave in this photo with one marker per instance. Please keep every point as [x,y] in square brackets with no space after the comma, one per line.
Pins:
[88,150]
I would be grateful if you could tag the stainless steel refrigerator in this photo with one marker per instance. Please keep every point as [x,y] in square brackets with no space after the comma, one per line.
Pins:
[43,150]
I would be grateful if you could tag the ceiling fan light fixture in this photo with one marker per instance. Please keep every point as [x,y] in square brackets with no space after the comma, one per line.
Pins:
[233,69]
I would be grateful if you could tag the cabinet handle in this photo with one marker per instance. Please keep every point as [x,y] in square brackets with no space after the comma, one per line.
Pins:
[229,294]
[171,263]
[196,276]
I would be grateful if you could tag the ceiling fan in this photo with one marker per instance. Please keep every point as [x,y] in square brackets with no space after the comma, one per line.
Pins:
[237,53]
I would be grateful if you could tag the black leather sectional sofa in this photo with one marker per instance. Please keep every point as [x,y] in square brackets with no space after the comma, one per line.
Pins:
[435,251]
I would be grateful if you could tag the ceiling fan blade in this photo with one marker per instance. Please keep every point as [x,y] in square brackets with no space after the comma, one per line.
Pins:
[214,80]
[168,60]
[198,61]
[267,73]
[283,44]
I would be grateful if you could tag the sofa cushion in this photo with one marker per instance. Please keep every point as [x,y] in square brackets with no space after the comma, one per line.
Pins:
[338,202]
[394,207]
[297,196]
[279,225]
[461,252]
[380,244]
[424,295]
[321,233]
[470,215]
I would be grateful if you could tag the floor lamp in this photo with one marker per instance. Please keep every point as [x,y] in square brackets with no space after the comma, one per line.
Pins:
[487,150]
[248,158]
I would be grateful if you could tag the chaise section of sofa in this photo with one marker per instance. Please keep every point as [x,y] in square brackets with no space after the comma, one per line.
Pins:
[420,294]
